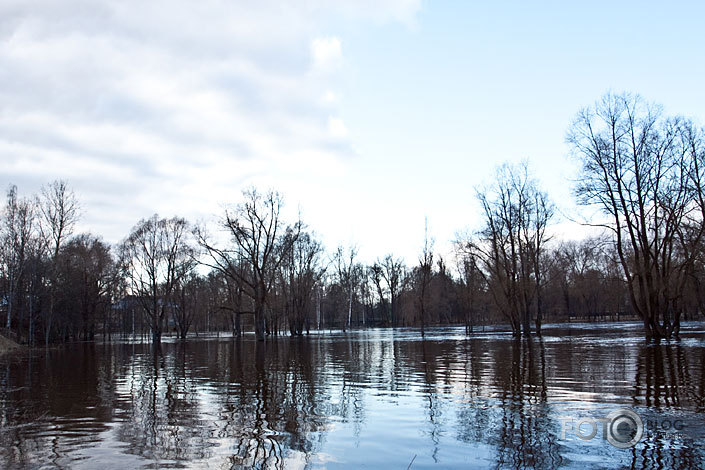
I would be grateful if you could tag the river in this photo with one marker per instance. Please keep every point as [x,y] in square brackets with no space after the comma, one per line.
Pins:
[377,398]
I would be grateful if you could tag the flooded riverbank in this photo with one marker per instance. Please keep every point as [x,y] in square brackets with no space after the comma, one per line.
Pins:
[366,399]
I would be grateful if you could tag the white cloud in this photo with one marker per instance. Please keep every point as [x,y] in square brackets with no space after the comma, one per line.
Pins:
[327,52]
[170,106]
[403,11]
[330,97]
[337,128]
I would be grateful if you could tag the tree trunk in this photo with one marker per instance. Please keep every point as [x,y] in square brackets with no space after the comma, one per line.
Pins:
[237,328]
[539,311]
[350,302]
[156,335]
[10,301]
[259,323]
[526,323]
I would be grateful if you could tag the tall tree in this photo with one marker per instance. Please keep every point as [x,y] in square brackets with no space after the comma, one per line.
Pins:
[301,273]
[60,212]
[376,275]
[423,274]
[256,231]
[469,286]
[644,170]
[156,257]
[393,272]
[19,234]
[509,249]
[191,299]
[346,276]
[85,277]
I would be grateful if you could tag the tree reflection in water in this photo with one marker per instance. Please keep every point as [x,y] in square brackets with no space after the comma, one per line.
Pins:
[664,384]
[507,407]
[376,398]
[257,400]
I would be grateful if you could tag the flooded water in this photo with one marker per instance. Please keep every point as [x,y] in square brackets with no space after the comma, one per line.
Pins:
[366,399]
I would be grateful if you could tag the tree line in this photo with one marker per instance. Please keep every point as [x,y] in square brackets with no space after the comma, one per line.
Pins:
[256,271]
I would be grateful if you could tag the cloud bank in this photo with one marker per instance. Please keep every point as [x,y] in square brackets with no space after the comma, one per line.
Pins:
[172,106]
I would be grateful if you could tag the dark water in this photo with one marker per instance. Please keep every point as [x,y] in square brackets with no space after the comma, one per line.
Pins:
[368,399]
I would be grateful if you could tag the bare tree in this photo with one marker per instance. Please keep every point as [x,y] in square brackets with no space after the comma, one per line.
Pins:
[301,273]
[346,275]
[365,293]
[18,236]
[424,273]
[535,239]
[60,213]
[469,285]
[191,299]
[375,273]
[510,247]
[645,172]
[256,230]
[155,257]
[85,275]
[393,272]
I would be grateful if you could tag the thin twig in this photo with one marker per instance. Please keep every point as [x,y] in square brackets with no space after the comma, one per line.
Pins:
[412,461]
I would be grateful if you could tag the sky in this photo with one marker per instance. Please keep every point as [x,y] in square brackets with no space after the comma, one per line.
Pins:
[369,117]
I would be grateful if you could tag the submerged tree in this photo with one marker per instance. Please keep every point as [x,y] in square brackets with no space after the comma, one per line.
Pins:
[192,297]
[423,277]
[301,273]
[510,248]
[469,286]
[156,256]
[375,275]
[347,274]
[260,240]
[22,247]
[644,170]
[393,271]
[59,214]
[86,275]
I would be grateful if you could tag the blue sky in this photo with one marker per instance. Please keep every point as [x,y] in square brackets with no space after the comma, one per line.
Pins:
[367,115]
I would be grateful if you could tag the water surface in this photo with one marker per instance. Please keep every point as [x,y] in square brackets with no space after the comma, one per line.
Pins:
[366,399]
